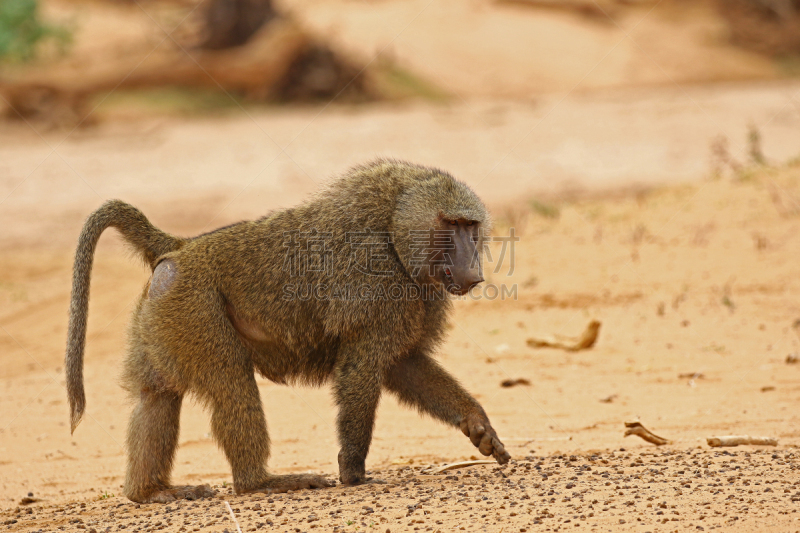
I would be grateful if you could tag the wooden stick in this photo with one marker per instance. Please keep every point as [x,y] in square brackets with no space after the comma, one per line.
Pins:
[636,428]
[584,342]
[462,464]
[233,517]
[736,440]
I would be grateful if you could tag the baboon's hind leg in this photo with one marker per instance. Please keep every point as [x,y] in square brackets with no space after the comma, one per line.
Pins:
[152,442]
[239,425]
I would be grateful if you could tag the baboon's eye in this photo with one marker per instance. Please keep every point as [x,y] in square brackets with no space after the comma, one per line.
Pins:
[470,223]
[453,222]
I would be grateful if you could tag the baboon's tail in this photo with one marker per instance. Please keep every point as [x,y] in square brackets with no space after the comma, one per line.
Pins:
[146,239]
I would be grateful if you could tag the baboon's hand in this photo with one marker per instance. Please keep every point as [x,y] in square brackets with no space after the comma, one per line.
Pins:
[483,436]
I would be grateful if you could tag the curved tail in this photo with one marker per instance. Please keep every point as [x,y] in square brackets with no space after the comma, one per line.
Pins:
[146,239]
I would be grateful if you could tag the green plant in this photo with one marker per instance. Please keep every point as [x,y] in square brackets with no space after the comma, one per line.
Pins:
[396,82]
[22,30]
[106,495]
[545,210]
[754,144]
[727,302]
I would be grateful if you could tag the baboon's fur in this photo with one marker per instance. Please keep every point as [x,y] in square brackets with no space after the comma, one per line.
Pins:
[216,310]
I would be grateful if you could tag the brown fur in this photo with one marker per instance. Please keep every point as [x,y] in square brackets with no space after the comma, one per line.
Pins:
[217,309]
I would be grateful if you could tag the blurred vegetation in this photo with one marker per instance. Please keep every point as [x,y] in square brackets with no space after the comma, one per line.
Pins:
[179,101]
[545,210]
[394,82]
[769,27]
[22,31]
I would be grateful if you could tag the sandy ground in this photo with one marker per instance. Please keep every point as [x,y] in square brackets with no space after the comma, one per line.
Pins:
[694,279]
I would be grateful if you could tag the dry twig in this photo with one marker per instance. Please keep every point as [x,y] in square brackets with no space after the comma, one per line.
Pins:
[462,464]
[233,517]
[514,382]
[570,344]
[736,440]
[636,428]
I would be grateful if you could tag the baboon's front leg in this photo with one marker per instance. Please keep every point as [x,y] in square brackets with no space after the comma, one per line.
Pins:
[357,389]
[419,381]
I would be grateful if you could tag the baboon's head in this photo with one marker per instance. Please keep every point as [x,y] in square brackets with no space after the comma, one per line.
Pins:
[440,226]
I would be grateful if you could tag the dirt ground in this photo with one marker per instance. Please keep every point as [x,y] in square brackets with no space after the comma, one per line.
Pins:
[697,292]
[624,215]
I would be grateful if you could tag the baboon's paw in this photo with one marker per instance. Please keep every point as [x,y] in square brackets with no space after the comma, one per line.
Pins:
[295,482]
[483,436]
[351,476]
[186,492]
[360,480]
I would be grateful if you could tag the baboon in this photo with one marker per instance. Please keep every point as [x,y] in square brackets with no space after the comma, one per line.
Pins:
[349,287]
